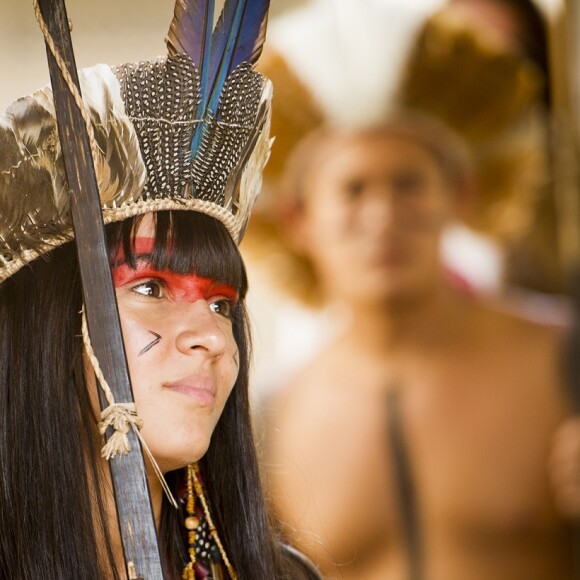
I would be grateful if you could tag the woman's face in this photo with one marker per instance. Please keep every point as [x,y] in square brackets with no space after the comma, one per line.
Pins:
[182,356]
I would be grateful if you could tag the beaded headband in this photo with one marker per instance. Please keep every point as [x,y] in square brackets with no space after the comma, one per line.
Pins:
[185,132]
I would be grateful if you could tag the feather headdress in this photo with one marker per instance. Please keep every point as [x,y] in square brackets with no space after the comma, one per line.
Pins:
[344,63]
[189,131]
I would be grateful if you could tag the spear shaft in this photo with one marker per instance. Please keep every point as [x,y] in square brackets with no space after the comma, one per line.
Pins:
[134,510]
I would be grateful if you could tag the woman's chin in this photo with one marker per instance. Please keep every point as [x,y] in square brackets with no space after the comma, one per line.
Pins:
[179,456]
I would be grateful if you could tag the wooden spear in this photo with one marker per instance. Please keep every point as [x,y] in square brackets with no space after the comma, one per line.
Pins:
[136,521]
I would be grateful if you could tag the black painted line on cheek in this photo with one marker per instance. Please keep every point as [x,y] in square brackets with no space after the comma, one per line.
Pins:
[152,343]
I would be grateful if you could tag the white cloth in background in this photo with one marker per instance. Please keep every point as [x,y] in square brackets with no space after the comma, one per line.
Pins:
[342,49]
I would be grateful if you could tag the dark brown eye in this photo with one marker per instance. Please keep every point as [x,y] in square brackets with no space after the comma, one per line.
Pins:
[409,182]
[149,288]
[223,306]
[353,189]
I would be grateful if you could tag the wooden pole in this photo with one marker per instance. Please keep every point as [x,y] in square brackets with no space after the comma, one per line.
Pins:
[134,509]
[572,17]
[573,10]
[565,79]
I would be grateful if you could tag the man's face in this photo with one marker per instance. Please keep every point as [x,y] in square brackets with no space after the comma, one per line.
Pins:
[374,208]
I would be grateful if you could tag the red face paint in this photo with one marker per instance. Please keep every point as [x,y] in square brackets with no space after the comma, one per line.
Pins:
[187,287]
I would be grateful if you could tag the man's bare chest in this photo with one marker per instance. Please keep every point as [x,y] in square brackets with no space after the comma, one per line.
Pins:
[477,449]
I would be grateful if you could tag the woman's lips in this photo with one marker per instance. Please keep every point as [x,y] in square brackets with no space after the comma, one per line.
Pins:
[200,389]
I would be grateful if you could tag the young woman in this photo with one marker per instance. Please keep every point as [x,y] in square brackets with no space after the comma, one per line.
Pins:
[177,183]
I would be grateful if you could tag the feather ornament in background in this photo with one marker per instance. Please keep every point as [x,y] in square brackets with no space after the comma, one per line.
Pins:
[238,37]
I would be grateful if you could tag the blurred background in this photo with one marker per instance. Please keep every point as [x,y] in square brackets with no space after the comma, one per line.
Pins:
[112,31]
[109,31]
[504,88]
[288,329]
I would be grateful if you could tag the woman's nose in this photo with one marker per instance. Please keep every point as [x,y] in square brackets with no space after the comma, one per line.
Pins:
[200,331]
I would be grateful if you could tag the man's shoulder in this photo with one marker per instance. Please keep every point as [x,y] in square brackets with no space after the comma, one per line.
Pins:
[526,318]
[526,351]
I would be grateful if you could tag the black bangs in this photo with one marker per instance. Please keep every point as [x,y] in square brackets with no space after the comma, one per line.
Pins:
[185,242]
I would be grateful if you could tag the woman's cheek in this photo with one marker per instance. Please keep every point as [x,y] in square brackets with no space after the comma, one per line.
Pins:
[134,334]
[232,369]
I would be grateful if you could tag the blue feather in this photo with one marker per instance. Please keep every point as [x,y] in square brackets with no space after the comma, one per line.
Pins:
[203,66]
[191,29]
[204,69]
[238,37]
[191,33]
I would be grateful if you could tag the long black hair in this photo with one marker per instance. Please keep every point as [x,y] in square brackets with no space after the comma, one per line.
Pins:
[52,501]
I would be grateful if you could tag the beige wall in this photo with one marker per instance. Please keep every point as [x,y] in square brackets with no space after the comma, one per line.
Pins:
[110,31]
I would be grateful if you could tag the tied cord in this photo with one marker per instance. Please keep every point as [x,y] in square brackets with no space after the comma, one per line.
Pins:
[121,417]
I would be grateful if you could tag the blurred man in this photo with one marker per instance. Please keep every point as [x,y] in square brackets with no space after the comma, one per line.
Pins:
[479,389]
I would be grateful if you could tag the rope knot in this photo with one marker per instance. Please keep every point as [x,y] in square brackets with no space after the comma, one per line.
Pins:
[121,417]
